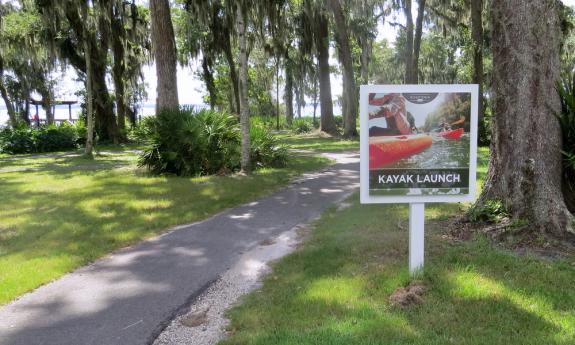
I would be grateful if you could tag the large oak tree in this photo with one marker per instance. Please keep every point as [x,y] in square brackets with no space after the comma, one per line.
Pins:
[526,165]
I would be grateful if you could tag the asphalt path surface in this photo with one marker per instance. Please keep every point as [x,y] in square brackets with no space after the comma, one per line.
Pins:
[130,296]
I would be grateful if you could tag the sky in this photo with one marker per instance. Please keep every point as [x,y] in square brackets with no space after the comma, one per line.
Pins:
[190,87]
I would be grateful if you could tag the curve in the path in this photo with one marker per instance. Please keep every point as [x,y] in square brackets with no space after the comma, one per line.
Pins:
[127,297]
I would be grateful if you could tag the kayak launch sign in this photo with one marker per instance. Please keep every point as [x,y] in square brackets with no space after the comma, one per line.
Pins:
[418,143]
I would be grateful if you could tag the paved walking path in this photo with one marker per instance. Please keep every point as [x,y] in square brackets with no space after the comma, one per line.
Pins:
[130,296]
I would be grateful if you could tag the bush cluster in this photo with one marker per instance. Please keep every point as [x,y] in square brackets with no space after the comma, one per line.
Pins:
[48,138]
[187,142]
[302,125]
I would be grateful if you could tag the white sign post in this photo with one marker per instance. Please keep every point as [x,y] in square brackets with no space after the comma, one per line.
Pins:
[418,145]
[416,236]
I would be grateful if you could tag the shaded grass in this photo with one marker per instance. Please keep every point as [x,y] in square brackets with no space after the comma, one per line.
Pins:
[335,289]
[319,143]
[60,211]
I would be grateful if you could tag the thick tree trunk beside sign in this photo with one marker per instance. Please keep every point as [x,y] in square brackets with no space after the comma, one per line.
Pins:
[526,164]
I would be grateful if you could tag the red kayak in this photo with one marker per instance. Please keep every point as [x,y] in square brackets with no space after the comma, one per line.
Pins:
[454,134]
[385,150]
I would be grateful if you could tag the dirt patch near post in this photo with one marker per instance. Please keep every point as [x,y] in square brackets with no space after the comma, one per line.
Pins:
[409,295]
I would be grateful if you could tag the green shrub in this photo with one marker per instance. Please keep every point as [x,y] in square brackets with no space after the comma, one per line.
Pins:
[187,142]
[142,130]
[266,150]
[18,140]
[81,131]
[301,126]
[566,91]
[44,139]
[567,119]
[492,211]
[338,120]
[56,138]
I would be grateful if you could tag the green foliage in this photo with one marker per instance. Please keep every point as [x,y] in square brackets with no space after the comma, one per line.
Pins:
[301,126]
[142,130]
[56,138]
[266,150]
[189,143]
[18,140]
[566,92]
[492,211]
[49,138]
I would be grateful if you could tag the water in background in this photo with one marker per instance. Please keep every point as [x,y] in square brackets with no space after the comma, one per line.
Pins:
[444,153]
[148,109]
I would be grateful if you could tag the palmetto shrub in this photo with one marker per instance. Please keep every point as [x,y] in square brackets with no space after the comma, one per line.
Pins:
[566,91]
[266,150]
[186,142]
[301,126]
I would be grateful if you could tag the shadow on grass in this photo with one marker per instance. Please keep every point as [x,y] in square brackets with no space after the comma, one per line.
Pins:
[72,211]
[335,290]
[132,293]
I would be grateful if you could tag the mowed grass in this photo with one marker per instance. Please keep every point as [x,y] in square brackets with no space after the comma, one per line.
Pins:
[61,211]
[318,142]
[335,289]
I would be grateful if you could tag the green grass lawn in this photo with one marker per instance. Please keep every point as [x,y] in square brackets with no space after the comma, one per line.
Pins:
[318,143]
[60,211]
[335,289]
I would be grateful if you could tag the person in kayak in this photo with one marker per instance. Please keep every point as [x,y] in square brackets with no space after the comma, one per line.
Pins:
[411,121]
[391,107]
[445,126]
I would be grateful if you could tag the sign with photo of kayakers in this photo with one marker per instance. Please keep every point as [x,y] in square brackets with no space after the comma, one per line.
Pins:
[418,143]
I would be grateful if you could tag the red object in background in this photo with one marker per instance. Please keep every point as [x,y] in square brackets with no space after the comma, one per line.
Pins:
[454,134]
[386,150]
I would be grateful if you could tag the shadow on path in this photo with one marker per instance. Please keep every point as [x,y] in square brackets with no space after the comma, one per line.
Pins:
[130,295]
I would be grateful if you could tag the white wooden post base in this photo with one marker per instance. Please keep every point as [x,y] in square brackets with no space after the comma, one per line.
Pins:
[416,237]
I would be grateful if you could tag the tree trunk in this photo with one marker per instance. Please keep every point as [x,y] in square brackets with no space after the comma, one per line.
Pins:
[105,120]
[26,113]
[278,94]
[417,42]
[164,49]
[243,86]
[314,97]
[526,164]
[47,95]
[288,92]
[119,69]
[233,75]
[208,77]
[4,93]
[366,52]
[477,35]
[409,43]
[327,122]
[350,90]
[88,149]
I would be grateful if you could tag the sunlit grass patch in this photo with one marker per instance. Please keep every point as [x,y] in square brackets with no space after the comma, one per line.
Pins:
[319,143]
[60,211]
